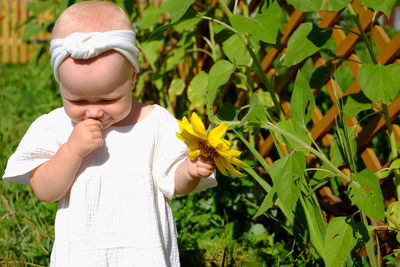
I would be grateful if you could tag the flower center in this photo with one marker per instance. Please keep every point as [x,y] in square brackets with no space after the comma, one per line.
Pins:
[208,150]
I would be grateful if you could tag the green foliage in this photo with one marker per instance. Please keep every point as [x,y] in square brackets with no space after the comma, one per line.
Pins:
[208,59]
[305,41]
[26,226]
[340,238]
[374,76]
[384,6]
[264,26]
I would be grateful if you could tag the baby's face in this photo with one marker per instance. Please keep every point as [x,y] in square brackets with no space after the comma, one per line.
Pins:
[98,88]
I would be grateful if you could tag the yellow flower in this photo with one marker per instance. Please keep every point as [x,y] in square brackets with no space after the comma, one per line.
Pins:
[210,144]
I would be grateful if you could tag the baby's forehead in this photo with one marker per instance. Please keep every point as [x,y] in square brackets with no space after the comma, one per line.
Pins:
[91,16]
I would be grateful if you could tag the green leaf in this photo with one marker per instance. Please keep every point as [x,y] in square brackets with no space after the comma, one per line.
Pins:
[317,5]
[265,98]
[335,5]
[264,26]
[381,174]
[256,114]
[393,215]
[315,223]
[219,75]
[295,128]
[236,51]
[321,75]
[346,143]
[176,88]
[177,8]
[158,32]
[356,103]
[286,174]
[227,112]
[379,82]
[267,203]
[176,57]
[366,194]
[151,50]
[150,17]
[304,42]
[305,5]
[302,101]
[385,6]
[197,90]
[187,24]
[335,154]
[339,241]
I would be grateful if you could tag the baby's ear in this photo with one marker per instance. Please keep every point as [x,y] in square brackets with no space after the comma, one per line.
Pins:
[133,77]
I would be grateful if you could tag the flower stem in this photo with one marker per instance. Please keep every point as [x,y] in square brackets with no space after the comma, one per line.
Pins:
[317,153]
[259,69]
[384,106]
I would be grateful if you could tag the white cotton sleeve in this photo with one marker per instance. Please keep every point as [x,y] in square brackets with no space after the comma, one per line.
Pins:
[36,147]
[169,153]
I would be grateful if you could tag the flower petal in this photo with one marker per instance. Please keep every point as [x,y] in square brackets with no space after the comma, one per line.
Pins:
[220,165]
[198,125]
[218,131]
[230,167]
[240,163]
[194,154]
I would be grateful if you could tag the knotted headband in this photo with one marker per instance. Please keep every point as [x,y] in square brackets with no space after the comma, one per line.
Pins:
[85,45]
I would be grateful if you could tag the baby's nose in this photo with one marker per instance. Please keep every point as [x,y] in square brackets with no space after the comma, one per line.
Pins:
[94,112]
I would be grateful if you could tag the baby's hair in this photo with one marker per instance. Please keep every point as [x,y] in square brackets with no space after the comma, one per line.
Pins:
[91,16]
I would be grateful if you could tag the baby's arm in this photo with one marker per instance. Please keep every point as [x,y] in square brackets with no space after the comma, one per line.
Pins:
[52,180]
[189,173]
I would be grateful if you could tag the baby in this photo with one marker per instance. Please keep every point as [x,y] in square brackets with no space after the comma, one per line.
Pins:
[111,162]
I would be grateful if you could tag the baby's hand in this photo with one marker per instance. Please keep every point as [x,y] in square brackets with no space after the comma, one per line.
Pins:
[201,167]
[86,137]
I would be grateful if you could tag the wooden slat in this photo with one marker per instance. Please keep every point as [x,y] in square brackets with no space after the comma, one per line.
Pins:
[391,51]
[14,35]
[376,125]
[381,39]
[24,46]
[6,31]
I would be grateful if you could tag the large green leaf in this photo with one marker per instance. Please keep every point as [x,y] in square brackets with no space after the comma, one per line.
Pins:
[286,174]
[267,203]
[219,75]
[151,50]
[379,82]
[339,241]
[302,101]
[236,50]
[304,42]
[356,103]
[264,26]
[177,8]
[317,5]
[393,215]
[366,193]
[176,88]
[386,6]
[150,17]
[197,90]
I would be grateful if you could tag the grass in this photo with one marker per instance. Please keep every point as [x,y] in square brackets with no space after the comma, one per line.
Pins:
[26,225]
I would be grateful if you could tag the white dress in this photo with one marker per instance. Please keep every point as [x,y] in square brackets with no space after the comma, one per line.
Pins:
[117,211]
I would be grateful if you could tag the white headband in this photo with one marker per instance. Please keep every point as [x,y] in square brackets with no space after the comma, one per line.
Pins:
[85,45]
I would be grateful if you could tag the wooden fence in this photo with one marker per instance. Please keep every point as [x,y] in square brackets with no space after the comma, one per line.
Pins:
[13,47]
